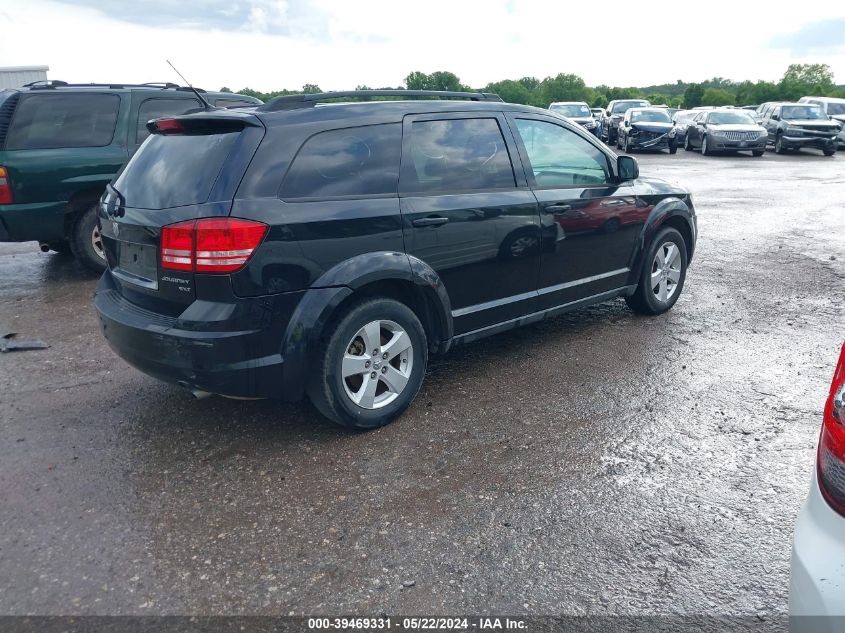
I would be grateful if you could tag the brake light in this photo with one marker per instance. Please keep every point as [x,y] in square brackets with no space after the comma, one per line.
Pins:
[177,246]
[210,245]
[830,462]
[5,187]
[168,126]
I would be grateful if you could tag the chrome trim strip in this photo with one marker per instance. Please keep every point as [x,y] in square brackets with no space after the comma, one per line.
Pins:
[478,307]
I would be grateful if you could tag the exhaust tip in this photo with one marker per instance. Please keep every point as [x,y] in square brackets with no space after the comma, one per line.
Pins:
[200,395]
[45,248]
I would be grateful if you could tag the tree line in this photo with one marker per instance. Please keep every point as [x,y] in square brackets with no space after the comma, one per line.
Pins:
[799,80]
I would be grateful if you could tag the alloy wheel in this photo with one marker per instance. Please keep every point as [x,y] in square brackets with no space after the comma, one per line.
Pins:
[666,271]
[97,242]
[377,364]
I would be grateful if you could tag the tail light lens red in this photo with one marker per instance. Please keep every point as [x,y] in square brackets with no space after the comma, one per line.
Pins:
[210,245]
[831,458]
[5,187]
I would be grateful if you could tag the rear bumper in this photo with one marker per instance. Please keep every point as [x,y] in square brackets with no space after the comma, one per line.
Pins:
[235,350]
[42,221]
[817,570]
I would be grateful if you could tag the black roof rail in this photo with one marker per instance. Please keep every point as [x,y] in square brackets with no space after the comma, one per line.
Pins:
[56,83]
[45,83]
[296,102]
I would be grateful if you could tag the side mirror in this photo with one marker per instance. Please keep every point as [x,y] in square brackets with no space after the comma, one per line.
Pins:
[627,168]
[775,117]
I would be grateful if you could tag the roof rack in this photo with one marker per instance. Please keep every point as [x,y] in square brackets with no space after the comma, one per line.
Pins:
[51,84]
[296,102]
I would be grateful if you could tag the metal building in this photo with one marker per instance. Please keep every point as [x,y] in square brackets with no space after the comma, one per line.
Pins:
[17,76]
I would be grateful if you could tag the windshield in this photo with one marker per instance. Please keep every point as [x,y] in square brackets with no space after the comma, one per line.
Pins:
[623,106]
[650,116]
[572,109]
[833,109]
[731,118]
[803,112]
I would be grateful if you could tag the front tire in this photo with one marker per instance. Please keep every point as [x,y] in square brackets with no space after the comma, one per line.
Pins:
[779,147]
[663,274]
[687,144]
[371,366]
[829,152]
[86,243]
[705,151]
[757,153]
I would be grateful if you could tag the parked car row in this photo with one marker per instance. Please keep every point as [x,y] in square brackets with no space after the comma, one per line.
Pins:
[635,125]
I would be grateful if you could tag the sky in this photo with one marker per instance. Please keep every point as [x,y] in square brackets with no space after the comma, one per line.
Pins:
[339,44]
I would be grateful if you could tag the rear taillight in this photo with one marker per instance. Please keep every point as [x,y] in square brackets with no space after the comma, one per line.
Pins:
[831,457]
[210,245]
[5,187]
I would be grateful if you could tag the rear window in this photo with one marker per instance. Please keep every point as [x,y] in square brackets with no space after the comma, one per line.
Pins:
[174,170]
[234,103]
[457,155]
[63,120]
[358,161]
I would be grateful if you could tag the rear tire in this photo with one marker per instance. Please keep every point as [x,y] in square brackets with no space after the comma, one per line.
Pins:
[374,325]
[663,274]
[86,241]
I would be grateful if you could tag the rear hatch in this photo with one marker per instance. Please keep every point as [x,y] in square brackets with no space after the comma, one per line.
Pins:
[188,168]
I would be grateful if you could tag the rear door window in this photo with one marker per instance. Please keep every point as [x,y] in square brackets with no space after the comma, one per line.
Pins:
[457,155]
[51,121]
[174,170]
[358,161]
[157,108]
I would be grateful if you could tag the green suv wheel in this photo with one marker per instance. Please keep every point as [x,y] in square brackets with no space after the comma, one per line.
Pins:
[86,241]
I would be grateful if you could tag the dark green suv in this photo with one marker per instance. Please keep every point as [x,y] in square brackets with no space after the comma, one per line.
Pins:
[61,144]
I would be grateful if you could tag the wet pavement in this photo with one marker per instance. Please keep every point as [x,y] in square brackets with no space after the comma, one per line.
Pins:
[598,463]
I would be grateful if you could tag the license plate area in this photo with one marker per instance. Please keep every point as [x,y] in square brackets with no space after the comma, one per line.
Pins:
[137,263]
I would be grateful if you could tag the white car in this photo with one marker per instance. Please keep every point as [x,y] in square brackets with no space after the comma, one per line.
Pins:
[817,572]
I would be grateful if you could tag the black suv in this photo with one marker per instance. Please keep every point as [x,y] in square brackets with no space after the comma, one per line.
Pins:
[328,248]
[60,145]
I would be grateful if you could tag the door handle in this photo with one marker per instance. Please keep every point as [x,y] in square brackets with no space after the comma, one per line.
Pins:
[430,221]
[557,208]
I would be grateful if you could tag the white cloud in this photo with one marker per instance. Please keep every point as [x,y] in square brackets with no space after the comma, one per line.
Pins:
[273,44]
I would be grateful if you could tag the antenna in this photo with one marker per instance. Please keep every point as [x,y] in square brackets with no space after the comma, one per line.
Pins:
[206,105]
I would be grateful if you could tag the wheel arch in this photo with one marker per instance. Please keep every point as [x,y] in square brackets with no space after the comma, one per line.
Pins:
[78,203]
[672,212]
[388,274]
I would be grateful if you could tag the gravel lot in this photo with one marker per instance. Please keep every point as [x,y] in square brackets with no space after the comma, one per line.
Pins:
[598,463]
